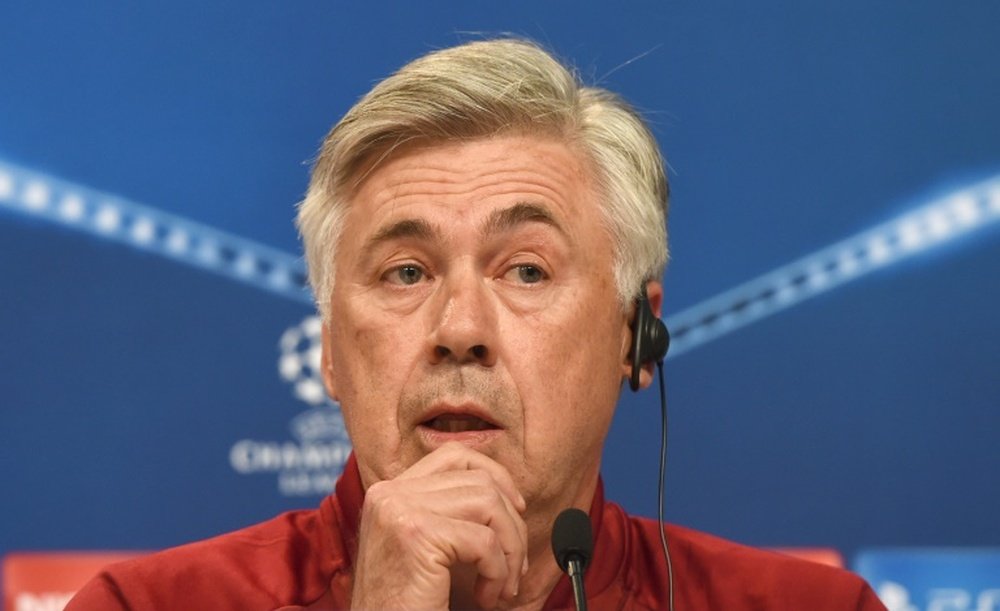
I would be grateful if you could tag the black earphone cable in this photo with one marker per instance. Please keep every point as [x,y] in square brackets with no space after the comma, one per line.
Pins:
[660,484]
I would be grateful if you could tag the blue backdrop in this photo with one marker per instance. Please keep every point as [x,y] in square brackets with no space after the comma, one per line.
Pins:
[833,287]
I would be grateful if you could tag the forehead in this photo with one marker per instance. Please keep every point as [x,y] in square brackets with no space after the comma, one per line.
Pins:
[469,178]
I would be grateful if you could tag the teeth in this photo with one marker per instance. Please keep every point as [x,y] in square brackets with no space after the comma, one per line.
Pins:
[451,424]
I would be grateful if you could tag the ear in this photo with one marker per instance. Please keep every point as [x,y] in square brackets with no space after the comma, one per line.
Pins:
[326,363]
[654,293]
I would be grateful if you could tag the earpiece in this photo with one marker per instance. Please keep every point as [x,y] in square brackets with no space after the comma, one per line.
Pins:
[650,341]
[650,338]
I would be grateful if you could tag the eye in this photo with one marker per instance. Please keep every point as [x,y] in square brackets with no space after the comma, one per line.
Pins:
[528,274]
[404,275]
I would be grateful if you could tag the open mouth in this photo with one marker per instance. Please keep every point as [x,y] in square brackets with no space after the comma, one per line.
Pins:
[459,423]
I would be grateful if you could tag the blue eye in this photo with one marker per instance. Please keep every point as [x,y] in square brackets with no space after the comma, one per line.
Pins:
[529,274]
[406,274]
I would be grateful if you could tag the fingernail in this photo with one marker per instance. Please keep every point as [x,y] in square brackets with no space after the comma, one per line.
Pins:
[524,566]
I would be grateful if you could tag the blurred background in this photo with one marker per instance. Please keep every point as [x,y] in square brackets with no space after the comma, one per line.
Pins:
[833,290]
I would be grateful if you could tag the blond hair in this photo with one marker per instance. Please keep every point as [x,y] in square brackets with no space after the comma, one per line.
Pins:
[481,89]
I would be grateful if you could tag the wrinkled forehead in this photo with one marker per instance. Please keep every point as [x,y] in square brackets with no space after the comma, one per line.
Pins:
[355,172]
[530,169]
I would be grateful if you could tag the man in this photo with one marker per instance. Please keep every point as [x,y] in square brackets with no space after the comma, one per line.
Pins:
[478,228]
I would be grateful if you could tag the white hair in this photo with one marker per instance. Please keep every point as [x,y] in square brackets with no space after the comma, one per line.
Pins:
[482,89]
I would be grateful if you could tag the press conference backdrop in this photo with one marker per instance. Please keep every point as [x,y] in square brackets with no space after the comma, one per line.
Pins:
[833,290]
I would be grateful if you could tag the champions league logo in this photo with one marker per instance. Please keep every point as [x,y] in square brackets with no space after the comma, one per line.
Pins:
[301,350]
[311,464]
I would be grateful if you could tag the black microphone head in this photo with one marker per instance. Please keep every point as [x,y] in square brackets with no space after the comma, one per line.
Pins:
[572,538]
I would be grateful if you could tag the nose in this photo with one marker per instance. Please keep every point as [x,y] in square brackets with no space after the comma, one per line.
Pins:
[464,326]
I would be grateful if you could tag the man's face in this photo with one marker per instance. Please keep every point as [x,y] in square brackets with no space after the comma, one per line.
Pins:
[475,301]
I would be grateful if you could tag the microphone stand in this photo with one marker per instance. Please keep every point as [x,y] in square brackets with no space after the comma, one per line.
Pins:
[575,570]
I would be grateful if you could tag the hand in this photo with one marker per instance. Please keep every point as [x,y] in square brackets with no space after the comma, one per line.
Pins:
[453,507]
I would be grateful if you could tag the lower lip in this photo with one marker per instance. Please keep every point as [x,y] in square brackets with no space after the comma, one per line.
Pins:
[434,438]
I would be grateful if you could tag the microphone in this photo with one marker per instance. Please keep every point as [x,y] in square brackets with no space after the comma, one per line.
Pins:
[573,544]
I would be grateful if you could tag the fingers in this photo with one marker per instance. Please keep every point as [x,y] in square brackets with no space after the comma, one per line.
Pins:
[463,498]
[481,547]
[454,466]
[483,505]
[454,456]
[453,508]
[464,494]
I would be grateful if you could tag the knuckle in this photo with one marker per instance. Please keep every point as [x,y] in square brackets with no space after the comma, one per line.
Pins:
[406,527]
[380,502]
[390,516]
[377,495]
[490,540]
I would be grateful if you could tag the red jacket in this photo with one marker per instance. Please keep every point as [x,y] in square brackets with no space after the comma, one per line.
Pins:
[302,560]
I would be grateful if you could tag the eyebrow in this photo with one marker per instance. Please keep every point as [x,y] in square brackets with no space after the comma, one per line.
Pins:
[407,228]
[520,213]
[498,221]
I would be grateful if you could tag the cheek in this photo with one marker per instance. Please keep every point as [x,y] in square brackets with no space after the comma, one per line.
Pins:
[353,352]
[574,376]
[364,348]
[370,362]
